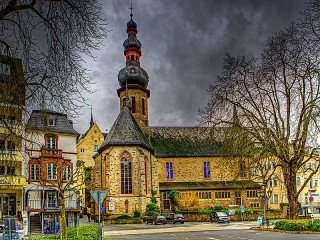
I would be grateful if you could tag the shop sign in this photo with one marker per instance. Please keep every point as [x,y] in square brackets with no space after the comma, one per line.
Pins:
[4,181]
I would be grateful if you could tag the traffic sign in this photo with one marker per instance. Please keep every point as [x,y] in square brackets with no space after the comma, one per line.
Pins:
[111,206]
[311,199]
[99,193]
[102,208]
[242,208]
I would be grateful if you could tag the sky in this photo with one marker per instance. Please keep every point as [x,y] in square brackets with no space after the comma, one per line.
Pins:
[183,46]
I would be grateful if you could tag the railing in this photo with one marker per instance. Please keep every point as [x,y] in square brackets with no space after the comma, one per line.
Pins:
[49,152]
[71,203]
[38,204]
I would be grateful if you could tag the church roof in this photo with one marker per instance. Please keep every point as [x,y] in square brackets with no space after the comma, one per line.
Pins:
[39,121]
[183,141]
[206,185]
[126,131]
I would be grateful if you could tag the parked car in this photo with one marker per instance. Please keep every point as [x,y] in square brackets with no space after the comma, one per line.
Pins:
[156,220]
[219,217]
[175,217]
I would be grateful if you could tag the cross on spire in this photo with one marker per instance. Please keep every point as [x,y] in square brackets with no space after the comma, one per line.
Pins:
[131,8]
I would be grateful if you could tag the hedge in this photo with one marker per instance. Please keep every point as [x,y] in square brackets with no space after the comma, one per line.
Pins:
[298,225]
[85,233]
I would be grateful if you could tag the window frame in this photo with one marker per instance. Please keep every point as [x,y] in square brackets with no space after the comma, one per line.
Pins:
[53,171]
[169,170]
[206,170]
[51,121]
[51,141]
[34,172]
[66,173]
[126,173]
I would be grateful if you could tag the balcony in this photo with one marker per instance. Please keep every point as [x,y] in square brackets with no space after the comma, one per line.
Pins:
[49,152]
[12,182]
[51,205]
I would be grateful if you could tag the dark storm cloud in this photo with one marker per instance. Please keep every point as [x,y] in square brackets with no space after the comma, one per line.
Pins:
[183,45]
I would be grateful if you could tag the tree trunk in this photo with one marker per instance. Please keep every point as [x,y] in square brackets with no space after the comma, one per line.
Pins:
[63,229]
[290,183]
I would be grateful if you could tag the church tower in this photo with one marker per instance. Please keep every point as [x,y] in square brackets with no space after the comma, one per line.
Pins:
[134,76]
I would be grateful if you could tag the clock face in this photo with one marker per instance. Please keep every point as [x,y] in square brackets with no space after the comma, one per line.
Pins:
[131,39]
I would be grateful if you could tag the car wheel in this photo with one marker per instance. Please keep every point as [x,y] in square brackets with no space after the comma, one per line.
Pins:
[182,222]
[174,222]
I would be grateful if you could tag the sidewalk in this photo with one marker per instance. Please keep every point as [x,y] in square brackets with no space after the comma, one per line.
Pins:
[84,221]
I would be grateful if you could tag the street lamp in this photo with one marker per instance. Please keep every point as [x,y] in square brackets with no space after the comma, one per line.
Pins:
[264,197]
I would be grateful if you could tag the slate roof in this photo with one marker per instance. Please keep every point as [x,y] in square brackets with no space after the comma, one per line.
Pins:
[125,131]
[209,185]
[183,141]
[38,121]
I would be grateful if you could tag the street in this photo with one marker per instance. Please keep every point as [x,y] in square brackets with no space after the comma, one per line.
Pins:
[198,231]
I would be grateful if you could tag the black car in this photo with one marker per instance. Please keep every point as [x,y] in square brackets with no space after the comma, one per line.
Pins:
[175,217]
[156,220]
[219,217]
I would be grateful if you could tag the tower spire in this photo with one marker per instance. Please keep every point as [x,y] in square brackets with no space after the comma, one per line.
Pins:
[91,120]
[131,8]
[127,101]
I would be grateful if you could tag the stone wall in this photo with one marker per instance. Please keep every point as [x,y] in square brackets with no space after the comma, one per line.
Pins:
[191,169]
[144,171]
[142,119]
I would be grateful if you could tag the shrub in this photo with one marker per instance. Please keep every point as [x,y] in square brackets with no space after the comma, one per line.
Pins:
[291,225]
[123,217]
[85,233]
[217,208]
[315,226]
[152,209]
[128,221]
[136,214]
[205,211]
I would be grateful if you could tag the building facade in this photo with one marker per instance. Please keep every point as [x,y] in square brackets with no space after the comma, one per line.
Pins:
[87,146]
[136,162]
[52,170]
[12,102]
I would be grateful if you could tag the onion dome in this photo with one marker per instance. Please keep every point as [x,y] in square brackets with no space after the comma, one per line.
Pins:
[131,23]
[132,42]
[133,74]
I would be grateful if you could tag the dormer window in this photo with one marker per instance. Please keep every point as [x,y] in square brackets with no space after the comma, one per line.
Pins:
[4,69]
[51,122]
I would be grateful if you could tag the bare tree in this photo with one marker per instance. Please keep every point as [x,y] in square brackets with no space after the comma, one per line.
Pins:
[277,101]
[52,38]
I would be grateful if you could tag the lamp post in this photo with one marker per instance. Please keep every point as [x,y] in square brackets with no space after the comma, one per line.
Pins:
[264,197]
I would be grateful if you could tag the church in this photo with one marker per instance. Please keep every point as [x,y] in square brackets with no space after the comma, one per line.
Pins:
[135,161]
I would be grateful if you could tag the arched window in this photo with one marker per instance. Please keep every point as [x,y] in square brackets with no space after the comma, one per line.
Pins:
[126,176]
